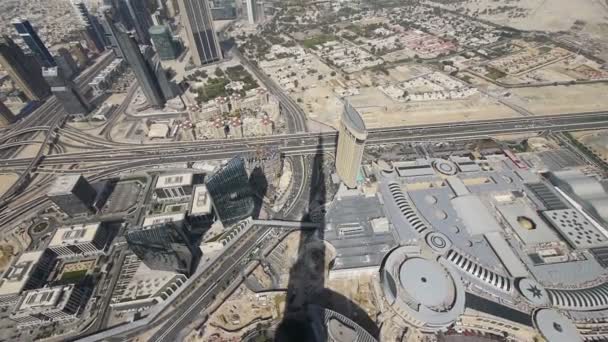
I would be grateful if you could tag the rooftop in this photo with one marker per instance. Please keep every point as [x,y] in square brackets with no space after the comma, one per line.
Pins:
[64,185]
[16,275]
[160,219]
[75,234]
[201,201]
[353,120]
[174,180]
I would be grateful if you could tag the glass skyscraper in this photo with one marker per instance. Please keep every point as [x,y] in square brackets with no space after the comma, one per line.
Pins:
[229,188]
[164,247]
[31,39]
[203,40]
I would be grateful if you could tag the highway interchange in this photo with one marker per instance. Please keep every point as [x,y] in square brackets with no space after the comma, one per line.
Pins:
[104,158]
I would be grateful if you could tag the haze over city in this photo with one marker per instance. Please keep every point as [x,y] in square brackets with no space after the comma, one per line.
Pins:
[304,171]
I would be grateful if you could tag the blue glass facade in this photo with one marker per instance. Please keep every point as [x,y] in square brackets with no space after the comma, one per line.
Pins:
[233,198]
[31,39]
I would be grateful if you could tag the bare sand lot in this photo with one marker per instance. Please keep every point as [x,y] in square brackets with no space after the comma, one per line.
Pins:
[562,99]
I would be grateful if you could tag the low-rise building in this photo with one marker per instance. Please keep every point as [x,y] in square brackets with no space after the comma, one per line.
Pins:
[80,240]
[49,305]
[29,271]
[173,187]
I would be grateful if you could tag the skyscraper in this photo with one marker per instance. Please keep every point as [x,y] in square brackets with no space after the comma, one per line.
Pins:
[6,116]
[65,91]
[351,141]
[93,29]
[252,9]
[164,44]
[142,21]
[164,247]
[31,39]
[22,71]
[231,192]
[143,71]
[105,18]
[202,38]
[73,194]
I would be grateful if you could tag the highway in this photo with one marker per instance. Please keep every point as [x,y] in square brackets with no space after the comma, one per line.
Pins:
[298,144]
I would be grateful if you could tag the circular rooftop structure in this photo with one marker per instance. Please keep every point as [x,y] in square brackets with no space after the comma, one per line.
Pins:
[534,292]
[555,327]
[438,242]
[424,292]
[445,167]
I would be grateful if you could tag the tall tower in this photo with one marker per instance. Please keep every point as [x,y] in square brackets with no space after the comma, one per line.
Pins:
[143,72]
[142,21]
[6,116]
[105,17]
[26,75]
[92,27]
[202,38]
[231,192]
[73,102]
[251,8]
[31,39]
[66,64]
[351,141]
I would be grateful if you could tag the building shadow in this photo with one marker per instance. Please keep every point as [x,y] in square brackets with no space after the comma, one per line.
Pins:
[307,276]
[259,186]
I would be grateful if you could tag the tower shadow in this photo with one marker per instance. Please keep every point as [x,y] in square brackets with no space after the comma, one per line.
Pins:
[306,288]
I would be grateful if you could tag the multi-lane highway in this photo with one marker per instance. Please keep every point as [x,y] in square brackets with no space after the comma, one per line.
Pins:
[298,144]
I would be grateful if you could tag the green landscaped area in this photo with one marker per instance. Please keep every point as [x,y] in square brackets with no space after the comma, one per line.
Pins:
[73,276]
[318,40]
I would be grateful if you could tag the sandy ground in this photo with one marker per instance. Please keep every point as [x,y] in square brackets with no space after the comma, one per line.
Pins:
[562,99]
[550,15]
[6,180]
[387,113]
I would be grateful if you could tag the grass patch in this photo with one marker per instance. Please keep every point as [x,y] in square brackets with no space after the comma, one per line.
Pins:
[318,40]
[495,74]
[73,276]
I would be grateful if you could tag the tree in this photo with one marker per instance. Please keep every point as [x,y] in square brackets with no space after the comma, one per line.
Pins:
[333,73]
[320,77]
[218,72]
[295,83]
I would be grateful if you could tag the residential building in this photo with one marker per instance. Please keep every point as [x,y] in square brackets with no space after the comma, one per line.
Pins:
[351,141]
[203,41]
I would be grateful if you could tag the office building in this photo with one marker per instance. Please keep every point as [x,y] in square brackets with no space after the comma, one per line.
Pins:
[49,305]
[202,38]
[142,21]
[231,192]
[22,70]
[73,194]
[164,247]
[93,29]
[164,44]
[65,91]
[80,240]
[30,271]
[30,37]
[351,141]
[6,116]
[66,63]
[141,68]
[167,87]
[173,187]
[201,208]
[105,17]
